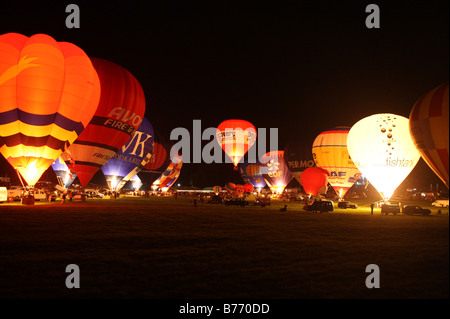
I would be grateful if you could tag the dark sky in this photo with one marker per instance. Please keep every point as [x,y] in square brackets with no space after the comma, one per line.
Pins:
[300,66]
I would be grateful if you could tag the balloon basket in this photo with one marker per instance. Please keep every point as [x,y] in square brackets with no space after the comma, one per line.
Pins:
[28,200]
[79,198]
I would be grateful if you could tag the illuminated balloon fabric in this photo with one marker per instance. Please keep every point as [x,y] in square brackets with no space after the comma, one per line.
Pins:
[428,124]
[255,176]
[217,189]
[314,180]
[381,147]
[158,158]
[130,158]
[248,187]
[298,157]
[275,171]
[171,174]
[330,152]
[63,173]
[236,137]
[49,92]
[230,187]
[119,114]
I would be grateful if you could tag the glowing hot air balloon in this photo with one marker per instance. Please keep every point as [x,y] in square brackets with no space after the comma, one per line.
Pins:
[314,180]
[330,153]
[255,176]
[275,171]
[131,158]
[236,137]
[171,174]
[49,92]
[381,147]
[63,174]
[428,124]
[119,114]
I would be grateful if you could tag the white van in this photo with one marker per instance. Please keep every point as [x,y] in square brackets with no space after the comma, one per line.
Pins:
[3,194]
[15,192]
[39,194]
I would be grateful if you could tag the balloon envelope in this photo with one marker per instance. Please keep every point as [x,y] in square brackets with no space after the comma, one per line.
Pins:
[63,174]
[314,180]
[49,92]
[119,114]
[428,124]
[236,137]
[131,158]
[275,171]
[381,147]
[330,153]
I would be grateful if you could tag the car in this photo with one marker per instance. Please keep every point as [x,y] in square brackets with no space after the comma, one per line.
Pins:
[215,200]
[415,210]
[388,208]
[321,206]
[236,201]
[440,203]
[262,201]
[346,204]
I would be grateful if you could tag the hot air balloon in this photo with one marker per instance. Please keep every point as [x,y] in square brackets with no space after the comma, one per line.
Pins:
[298,157]
[171,174]
[230,187]
[381,147]
[63,174]
[255,176]
[330,153]
[159,161]
[428,125]
[236,137]
[119,114]
[49,92]
[248,187]
[275,171]
[131,158]
[217,190]
[314,180]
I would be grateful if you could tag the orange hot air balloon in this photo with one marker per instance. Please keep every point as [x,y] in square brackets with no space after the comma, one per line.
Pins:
[428,125]
[236,137]
[49,92]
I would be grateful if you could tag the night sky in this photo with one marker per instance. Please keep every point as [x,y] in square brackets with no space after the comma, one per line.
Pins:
[300,66]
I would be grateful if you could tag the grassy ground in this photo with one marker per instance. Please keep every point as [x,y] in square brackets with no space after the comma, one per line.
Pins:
[166,248]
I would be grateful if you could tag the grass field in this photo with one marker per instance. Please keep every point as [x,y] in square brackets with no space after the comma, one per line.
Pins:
[165,248]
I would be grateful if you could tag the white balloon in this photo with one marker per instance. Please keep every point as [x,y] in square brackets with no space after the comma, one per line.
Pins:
[381,147]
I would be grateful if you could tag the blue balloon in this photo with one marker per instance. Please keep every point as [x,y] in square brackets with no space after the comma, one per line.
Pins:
[131,158]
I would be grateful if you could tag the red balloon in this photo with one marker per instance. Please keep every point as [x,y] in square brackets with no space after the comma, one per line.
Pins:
[313,179]
[158,158]
[248,187]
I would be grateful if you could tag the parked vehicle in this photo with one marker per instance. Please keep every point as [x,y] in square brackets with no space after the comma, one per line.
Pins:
[93,193]
[237,201]
[440,203]
[3,194]
[415,210]
[262,201]
[388,208]
[321,206]
[15,192]
[346,204]
[215,200]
